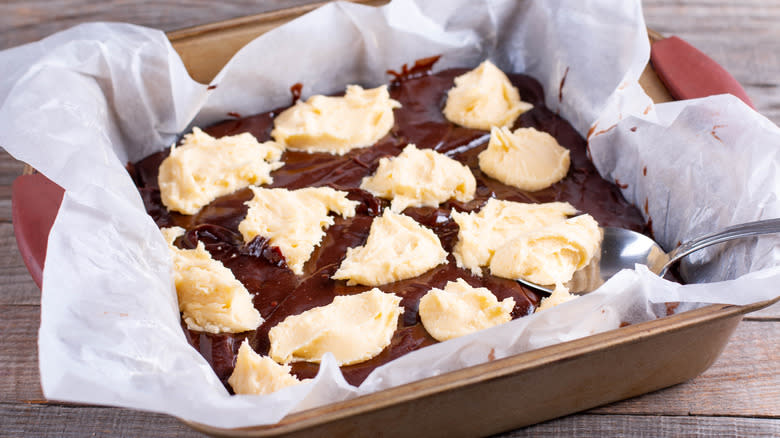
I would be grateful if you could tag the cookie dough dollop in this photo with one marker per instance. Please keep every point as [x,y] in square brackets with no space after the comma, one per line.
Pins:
[420,177]
[460,309]
[255,374]
[484,98]
[397,248]
[211,299]
[549,255]
[294,220]
[526,158]
[354,328]
[204,168]
[337,125]
[482,233]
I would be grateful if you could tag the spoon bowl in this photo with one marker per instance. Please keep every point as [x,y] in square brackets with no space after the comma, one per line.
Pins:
[623,249]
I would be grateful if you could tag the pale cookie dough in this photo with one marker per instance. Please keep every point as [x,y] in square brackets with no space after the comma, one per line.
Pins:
[337,124]
[420,177]
[397,248]
[204,168]
[558,296]
[461,309]
[294,220]
[255,374]
[482,233]
[484,98]
[549,255]
[354,328]
[527,159]
[210,297]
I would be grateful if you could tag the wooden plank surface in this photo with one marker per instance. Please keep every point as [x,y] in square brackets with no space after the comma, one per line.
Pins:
[738,396]
[76,422]
[36,420]
[652,426]
[15,283]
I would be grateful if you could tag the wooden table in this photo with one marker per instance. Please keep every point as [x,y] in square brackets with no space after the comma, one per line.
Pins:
[738,395]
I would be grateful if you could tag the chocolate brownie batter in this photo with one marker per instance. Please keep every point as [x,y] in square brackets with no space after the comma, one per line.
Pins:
[279,293]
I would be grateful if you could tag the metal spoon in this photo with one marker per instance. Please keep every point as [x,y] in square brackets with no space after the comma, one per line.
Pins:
[622,249]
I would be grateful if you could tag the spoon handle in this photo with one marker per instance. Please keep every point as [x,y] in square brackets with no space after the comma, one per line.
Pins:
[743,230]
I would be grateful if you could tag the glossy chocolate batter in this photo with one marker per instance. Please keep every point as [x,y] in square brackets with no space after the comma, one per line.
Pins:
[280,293]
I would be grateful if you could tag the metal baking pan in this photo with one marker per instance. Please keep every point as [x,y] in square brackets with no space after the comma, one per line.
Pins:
[484,399]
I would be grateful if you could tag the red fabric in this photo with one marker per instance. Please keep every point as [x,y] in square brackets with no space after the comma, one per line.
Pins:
[689,73]
[35,203]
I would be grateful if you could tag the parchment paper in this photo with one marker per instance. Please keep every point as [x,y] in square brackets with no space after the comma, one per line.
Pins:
[80,104]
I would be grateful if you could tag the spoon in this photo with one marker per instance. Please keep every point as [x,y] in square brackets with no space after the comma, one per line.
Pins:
[622,249]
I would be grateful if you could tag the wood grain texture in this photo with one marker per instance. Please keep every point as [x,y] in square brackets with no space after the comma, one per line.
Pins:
[9,168]
[20,382]
[738,396]
[5,204]
[23,21]
[651,426]
[16,285]
[68,421]
[78,421]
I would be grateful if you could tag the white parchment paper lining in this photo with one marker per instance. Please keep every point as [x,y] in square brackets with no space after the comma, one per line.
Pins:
[80,104]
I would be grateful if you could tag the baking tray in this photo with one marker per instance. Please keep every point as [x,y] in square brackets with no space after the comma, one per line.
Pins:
[493,397]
